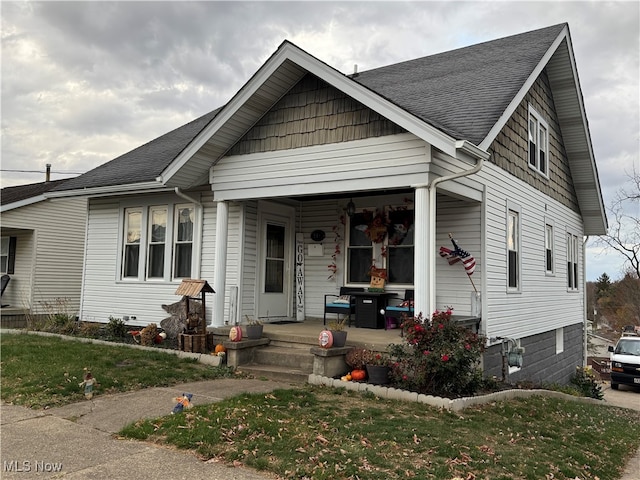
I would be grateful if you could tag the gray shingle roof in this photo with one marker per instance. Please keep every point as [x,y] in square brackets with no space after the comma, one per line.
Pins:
[18,193]
[462,93]
[144,163]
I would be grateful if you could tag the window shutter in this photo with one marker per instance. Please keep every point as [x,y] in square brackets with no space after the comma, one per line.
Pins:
[11,262]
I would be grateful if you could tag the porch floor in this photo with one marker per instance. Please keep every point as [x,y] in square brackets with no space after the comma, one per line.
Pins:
[309,330]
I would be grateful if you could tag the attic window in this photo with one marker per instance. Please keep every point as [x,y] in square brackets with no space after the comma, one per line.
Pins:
[538,142]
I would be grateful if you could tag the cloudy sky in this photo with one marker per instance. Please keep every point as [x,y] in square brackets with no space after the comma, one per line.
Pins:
[83,82]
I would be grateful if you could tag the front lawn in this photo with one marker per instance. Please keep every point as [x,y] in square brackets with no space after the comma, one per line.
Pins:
[323,433]
[40,372]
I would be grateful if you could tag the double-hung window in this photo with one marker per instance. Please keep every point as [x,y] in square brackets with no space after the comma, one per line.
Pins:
[538,142]
[572,262]
[7,254]
[359,249]
[183,244]
[513,250]
[132,236]
[400,246]
[548,248]
[157,242]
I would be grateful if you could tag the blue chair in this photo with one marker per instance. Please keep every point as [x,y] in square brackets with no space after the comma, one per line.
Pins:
[394,314]
[343,304]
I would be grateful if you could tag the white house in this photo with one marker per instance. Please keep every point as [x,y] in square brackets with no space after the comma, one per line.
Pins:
[41,250]
[489,143]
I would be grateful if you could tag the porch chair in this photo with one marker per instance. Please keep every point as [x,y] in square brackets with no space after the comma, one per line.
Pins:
[4,281]
[393,313]
[344,303]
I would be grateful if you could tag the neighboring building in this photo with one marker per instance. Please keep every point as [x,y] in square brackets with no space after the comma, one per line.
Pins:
[234,196]
[42,249]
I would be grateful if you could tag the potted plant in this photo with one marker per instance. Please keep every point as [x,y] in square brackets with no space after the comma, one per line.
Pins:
[355,358]
[378,365]
[339,333]
[253,329]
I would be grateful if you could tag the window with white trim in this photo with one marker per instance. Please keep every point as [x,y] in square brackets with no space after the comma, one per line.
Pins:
[572,262]
[513,250]
[183,246]
[7,255]
[157,242]
[395,253]
[538,142]
[400,246]
[132,236]
[359,249]
[548,248]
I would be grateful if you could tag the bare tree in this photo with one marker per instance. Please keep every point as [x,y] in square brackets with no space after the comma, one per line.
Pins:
[624,228]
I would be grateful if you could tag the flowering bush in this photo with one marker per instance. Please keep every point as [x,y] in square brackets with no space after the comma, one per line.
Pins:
[358,358]
[438,357]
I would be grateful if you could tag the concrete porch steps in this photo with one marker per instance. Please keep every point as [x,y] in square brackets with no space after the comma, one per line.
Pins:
[290,364]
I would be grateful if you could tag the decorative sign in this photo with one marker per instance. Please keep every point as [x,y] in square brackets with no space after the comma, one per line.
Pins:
[300,277]
[317,235]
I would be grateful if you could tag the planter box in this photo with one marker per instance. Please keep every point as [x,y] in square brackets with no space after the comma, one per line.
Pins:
[253,331]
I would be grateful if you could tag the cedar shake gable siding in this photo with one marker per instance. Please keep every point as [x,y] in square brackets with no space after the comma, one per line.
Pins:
[510,149]
[313,113]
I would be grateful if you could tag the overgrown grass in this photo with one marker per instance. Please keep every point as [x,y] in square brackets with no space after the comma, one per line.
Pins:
[321,433]
[41,372]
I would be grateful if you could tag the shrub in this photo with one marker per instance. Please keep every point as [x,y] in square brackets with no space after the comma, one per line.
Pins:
[116,328]
[586,381]
[59,317]
[89,329]
[438,357]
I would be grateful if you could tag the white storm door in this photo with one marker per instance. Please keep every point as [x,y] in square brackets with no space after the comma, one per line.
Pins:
[275,284]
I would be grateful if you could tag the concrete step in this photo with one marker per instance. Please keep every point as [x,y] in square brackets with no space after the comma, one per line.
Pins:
[297,358]
[275,372]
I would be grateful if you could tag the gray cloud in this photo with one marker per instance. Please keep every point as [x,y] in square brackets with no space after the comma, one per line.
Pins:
[83,82]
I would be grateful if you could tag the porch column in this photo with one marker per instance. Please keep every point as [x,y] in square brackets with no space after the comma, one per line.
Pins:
[220,267]
[421,260]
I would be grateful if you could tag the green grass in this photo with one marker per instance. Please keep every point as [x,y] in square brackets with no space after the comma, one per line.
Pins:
[42,372]
[323,433]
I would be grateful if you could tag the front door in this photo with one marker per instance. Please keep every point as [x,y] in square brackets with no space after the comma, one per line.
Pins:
[275,247]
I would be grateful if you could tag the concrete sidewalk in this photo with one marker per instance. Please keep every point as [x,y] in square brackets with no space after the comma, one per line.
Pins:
[77,442]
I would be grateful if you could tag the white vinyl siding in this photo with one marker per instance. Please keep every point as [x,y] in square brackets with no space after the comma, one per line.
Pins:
[49,253]
[105,294]
[392,161]
[525,314]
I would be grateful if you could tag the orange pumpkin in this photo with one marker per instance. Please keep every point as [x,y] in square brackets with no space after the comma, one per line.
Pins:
[220,348]
[358,375]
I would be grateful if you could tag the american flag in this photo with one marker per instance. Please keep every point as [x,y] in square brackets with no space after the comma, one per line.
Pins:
[456,255]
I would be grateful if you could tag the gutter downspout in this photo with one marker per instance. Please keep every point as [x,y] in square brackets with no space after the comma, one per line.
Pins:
[585,306]
[482,156]
[181,194]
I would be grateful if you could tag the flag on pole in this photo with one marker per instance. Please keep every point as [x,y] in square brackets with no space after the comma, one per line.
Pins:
[458,255]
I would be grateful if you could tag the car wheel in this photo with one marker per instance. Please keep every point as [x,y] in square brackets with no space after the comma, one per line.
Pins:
[614,386]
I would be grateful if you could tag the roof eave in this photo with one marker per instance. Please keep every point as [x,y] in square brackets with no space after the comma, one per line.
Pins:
[110,190]
[22,203]
[597,222]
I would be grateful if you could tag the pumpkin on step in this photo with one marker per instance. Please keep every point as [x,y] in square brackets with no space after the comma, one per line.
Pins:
[358,375]
[220,348]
